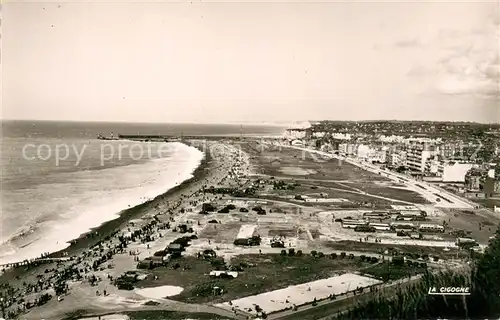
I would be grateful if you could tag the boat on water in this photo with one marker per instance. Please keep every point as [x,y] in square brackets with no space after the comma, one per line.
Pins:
[111,137]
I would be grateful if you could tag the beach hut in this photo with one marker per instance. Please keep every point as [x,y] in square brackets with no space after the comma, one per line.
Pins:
[174,248]
[245,235]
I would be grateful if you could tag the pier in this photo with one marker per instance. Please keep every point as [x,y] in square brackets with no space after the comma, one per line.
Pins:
[171,138]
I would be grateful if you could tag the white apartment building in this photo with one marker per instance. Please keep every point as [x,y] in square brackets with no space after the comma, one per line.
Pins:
[348,148]
[428,141]
[432,165]
[293,135]
[342,136]
[382,155]
[320,134]
[391,139]
[365,152]
[417,156]
[397,158]
[491,173]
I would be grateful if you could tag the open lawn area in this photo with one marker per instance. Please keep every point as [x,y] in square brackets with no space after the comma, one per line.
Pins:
[261,273]
[274,161]
[388,192]
[323,193]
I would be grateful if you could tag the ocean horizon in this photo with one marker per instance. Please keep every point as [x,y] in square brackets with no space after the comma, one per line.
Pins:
[59,181]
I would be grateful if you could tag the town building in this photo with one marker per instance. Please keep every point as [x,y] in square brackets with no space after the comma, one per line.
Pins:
[397,159]
[364,152]
[341,136]
[450,150]
[417,156]
[473,179]
[488,186]
[294,134]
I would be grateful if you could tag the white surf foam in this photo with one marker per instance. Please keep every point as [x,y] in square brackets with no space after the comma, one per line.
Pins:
[98,196]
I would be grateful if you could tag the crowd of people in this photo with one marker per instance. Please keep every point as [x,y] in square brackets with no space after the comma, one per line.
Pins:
[60,275]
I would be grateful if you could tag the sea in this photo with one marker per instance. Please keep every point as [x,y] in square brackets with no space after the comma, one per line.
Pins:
[59,181]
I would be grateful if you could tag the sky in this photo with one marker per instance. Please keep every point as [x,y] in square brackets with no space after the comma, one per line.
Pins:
[213,62]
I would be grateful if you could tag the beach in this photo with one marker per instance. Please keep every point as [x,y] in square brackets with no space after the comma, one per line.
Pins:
[167,207]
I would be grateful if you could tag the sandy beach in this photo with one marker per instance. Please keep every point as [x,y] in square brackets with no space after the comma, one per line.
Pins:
[27,284]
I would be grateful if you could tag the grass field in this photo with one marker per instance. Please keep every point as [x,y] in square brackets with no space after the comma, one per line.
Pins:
[270,161]
[330,193]
[225,232]
[394,193]
[261,273]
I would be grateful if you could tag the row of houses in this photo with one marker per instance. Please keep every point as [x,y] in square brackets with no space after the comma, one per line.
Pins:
[484,180]
[395,226]
[433,159]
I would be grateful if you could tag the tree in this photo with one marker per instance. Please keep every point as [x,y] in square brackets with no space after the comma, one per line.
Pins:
[283,252]
[398,261]
[487,269]
[208,207]
[291,252]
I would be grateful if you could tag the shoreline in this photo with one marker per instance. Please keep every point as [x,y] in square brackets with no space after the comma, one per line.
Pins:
[109,228]
[82,259]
